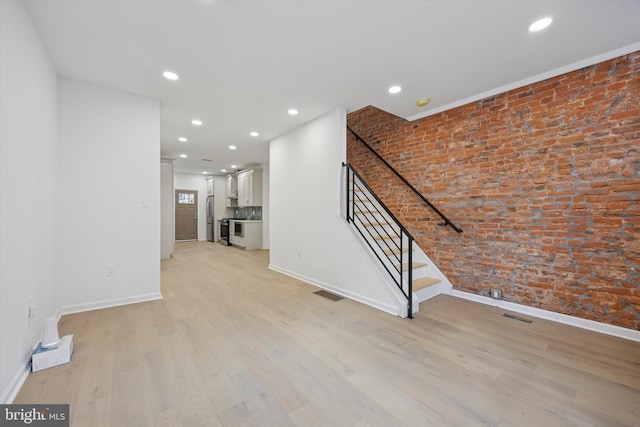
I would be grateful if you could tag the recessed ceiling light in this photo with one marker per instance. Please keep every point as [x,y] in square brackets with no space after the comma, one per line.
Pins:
[184,156]
[540,24]
[255,134]
[196,122]
[170,75]
[233,166]
[223,170]
[422,102]
[182,139]
[205,173]
[395,89]
[292,111]
[232,147]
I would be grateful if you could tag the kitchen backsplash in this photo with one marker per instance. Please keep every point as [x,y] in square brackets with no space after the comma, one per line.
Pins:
[252,213]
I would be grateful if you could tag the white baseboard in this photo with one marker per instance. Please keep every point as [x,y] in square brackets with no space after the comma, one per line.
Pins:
[14,387]
[347,294]
[591,325]
[79,308]
[10,393]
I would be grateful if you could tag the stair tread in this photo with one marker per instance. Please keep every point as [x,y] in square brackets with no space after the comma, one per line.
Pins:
[374,224]
[424,282]
[395,251]
[386,236]
[415,265]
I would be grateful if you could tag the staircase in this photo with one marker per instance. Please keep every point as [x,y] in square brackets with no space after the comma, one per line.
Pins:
[413,278]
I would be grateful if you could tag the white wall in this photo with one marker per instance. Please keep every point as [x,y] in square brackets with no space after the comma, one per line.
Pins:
[167,210]
[28,139]
[109,147]
[266,202]
[188,181]
[308,237]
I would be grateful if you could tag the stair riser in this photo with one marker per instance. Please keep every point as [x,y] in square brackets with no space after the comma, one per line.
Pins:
[428,292]
[370,216]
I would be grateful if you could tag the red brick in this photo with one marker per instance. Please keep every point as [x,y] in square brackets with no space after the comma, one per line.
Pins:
[550,214]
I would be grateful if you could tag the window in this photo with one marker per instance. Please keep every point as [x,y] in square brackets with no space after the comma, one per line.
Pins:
[186,199]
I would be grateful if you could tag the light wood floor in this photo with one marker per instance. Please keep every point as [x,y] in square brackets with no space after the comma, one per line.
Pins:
[235,344]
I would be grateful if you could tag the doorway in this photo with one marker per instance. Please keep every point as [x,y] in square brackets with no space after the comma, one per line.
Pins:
[186,215]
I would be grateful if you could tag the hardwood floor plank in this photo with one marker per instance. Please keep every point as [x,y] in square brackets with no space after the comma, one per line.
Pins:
[168,418]
[233,343]
[275,381]
[396,401]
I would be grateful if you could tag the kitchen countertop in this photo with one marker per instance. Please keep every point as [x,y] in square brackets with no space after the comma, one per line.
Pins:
[240,220]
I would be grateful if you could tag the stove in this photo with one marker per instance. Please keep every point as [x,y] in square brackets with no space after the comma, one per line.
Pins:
[224,232]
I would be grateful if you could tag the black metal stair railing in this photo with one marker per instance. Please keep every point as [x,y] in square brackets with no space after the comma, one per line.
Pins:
[403,179]
[382,228]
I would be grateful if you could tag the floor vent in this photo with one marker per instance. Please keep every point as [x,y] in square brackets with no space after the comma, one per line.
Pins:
[511,316]
[329,295]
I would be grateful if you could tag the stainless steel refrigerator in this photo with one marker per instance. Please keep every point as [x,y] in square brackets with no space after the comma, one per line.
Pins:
[210,220]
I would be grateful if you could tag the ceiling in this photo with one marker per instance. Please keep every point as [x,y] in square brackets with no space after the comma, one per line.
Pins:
[243,64]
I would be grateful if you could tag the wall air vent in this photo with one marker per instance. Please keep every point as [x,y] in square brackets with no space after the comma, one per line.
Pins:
[328,295]
[511,316]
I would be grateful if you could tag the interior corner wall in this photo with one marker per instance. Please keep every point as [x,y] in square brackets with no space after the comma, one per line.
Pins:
[194,182]
[308,237]
[108,198]
[167,219]
[544,180]
[28,140]
[266,197]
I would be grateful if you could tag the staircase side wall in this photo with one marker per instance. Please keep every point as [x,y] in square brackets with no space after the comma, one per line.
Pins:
[308,237]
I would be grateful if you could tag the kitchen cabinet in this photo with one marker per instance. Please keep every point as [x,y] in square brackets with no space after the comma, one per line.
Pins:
[252,234]
[250,188]
[236,240]
[231,191]
[210,191]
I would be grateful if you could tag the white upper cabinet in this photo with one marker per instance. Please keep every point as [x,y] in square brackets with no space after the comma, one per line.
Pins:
[210,191]
[250,188]
[231,191]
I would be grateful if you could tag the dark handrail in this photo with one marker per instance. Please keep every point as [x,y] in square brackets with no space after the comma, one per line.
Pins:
[351,202]
[424,199]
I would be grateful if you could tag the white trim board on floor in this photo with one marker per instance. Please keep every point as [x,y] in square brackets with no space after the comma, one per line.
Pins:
[21,376]
[16,384]
[79,308]
[616,331]
[327,287]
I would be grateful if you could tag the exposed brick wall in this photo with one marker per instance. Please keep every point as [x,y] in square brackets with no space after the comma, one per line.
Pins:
[544,180]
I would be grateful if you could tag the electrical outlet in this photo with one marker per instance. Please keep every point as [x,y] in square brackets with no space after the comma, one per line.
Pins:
[496,294]
[31,312]
[111,270]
